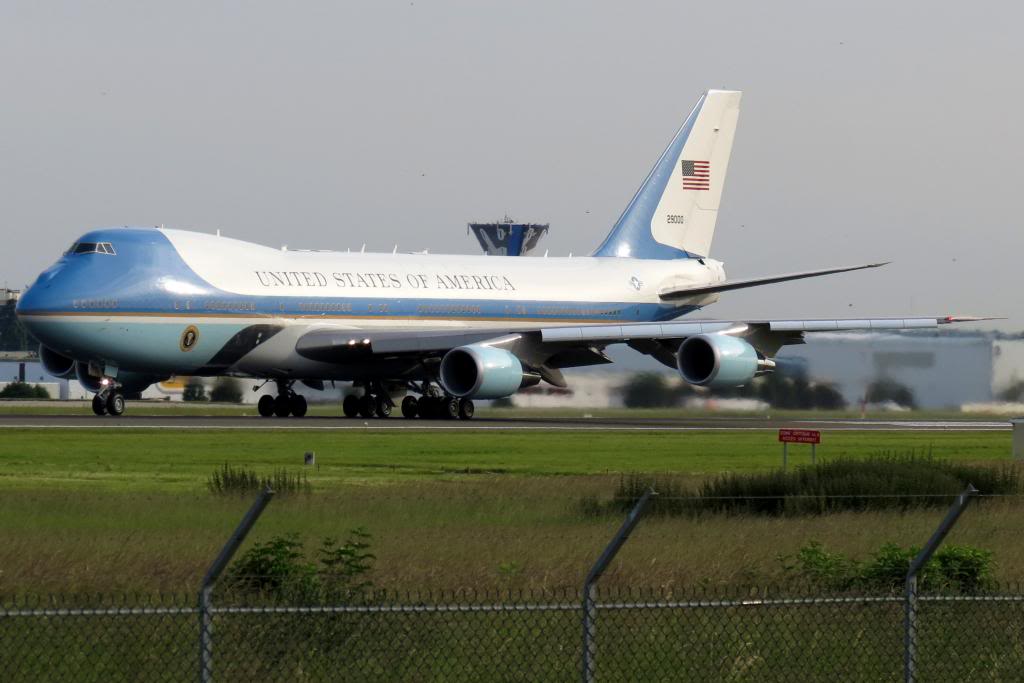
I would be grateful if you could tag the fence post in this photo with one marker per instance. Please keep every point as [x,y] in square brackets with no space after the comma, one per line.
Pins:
[590,585]
[910,588]
[213,573]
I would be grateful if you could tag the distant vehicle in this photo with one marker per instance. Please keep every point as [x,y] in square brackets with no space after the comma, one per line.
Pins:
[126,307]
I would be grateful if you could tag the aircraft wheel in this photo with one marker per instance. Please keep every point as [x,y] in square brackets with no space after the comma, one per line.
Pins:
[266,405]
[383,406]
[426,408]
[99,406]
[449,408]
[298,405]
[466,409]
[350,406]
[410,407]
[282,406]
[115,403]
[367,406]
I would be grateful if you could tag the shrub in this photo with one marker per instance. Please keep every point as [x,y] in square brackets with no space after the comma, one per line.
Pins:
[886,390]
[24,390]
[195,390]
[279,569]
[951,568]
[228,480]
[1013,393]
[651,390]
[884,481]
[226,390]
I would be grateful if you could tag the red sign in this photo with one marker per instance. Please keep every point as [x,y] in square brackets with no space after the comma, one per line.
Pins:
[799,436]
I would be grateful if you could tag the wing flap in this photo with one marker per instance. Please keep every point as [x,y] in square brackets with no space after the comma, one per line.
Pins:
[680,330]
[336,346]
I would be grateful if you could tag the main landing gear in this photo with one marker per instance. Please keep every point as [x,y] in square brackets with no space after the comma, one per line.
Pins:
[286,403]
[375,402]
[109,400]
[433,404]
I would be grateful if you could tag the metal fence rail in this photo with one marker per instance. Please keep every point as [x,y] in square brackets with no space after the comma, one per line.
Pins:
[756,635]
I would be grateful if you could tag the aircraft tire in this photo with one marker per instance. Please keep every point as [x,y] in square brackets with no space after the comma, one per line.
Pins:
[282,406]
[99,406]
[298,405]
[367,406]
[466,409]
[426,407]
[265,406]
[450,408]
[115,403]
[383,407]
[350,406]
[410,407]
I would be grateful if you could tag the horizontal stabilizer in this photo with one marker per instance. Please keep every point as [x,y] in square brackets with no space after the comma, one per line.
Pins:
[684,292]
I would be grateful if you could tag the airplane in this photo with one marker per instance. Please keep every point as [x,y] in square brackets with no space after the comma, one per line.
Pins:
[126,307]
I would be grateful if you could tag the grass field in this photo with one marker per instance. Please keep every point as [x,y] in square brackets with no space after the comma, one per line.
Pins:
[102,510]
[157,408]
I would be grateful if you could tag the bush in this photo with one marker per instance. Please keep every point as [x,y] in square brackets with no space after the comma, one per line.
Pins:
[1013,393]
[226,390]
[884,481]
[195,390]
[951,568]
[651,390]
[228,480]
[887,390]
[24,390]
[279,569]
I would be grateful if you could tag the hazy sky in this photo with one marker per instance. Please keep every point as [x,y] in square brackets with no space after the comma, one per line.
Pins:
[869,131]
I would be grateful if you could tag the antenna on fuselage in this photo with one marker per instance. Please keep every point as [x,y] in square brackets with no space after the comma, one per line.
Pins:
[395,250]
[362,250]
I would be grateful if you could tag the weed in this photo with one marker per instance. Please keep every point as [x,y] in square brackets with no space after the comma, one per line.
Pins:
[228,480]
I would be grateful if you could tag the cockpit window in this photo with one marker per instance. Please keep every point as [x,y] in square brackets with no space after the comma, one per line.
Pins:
[92,248]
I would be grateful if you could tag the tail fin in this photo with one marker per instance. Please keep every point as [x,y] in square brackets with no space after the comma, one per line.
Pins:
[673,213]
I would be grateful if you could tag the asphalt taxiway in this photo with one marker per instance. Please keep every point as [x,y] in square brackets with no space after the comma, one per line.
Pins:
[736,424]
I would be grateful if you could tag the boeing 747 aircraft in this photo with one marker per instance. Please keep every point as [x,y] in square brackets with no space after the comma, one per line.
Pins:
[126,307]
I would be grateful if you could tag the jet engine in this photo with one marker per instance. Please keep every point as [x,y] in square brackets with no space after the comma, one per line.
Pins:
[477,371]
[128,382]
[56,364]
[719,360]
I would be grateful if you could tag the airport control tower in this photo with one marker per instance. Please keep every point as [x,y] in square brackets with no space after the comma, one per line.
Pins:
[508,238]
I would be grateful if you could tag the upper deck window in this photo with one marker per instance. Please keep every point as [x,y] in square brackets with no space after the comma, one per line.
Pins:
[92,248]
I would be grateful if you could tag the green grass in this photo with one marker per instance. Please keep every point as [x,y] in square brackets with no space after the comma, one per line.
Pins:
[162,460]
[158,408]
[110,509]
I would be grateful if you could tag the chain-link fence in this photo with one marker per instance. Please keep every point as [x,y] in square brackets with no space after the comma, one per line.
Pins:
[751,635]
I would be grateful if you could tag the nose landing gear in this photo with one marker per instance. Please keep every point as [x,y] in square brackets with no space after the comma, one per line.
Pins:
[109,400]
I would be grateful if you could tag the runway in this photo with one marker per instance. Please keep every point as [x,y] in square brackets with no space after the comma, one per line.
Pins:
[729,424]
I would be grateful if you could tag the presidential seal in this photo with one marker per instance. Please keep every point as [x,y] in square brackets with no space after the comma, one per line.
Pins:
[189,338]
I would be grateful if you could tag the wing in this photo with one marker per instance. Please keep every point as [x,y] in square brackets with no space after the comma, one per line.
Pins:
[674,293]
[547,350]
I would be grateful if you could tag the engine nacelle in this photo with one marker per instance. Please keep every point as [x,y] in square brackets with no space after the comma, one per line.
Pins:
[88,382]
[719,360]
[56,364]
[128,382]
[477,371]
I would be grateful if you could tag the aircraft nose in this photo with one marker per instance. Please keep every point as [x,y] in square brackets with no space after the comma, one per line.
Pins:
[42,296]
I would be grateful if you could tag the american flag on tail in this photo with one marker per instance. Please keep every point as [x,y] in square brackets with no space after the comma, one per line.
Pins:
[696,174]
